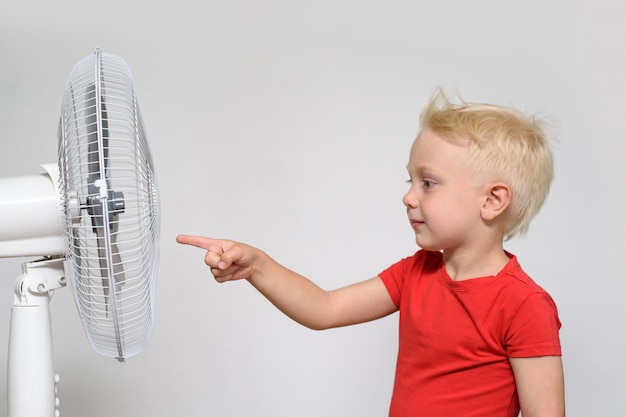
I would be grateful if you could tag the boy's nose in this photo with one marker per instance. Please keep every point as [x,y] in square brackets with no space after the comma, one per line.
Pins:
[409,199]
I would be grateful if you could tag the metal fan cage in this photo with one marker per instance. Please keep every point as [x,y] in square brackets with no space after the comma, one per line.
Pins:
[109,192]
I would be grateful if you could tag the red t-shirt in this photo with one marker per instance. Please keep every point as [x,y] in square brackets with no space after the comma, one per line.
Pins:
[455,337]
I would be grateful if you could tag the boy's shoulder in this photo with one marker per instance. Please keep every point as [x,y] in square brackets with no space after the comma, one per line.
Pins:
[514,275]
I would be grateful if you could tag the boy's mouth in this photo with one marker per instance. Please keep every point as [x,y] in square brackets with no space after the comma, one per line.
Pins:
[416,224]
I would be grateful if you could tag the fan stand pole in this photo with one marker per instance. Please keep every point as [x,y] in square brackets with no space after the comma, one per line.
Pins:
[31,383]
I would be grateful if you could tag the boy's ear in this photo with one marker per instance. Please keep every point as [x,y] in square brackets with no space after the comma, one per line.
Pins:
[497,199]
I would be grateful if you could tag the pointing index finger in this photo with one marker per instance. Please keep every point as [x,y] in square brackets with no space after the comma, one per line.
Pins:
[197,241]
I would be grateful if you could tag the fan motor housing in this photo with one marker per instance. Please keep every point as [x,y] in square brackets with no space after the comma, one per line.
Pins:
[31,219]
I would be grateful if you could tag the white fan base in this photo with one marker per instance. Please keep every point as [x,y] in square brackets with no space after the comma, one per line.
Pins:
[31,387]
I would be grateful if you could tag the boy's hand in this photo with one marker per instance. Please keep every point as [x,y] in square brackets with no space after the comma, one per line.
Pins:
[228,260]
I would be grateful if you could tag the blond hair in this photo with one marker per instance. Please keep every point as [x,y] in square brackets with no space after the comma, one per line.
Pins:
[505,145]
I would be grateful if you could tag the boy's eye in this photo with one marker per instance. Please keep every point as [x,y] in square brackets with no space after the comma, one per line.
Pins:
[425,183]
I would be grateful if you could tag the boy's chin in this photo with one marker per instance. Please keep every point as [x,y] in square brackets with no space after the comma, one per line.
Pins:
[429,246]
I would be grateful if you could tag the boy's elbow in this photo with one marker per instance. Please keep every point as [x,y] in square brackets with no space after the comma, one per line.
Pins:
[317,325]
[318,322]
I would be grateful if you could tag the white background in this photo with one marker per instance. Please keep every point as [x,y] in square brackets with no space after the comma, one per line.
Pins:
[287,124]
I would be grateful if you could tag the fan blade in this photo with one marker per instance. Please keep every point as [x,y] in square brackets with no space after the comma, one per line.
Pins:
[97,133]
[116,259]
[104,270]
[102,217]
[112,263]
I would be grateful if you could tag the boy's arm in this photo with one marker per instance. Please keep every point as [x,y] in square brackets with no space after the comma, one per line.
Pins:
[540,386]
[291,293]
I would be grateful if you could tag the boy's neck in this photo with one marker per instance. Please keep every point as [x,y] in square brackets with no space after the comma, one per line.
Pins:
[467,264]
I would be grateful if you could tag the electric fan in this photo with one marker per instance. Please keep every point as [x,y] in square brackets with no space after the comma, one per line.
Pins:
[94,220]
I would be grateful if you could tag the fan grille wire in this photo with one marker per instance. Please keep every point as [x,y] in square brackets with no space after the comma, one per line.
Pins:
[112,255]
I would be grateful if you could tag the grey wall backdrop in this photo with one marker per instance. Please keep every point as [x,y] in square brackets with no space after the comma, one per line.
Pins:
[287,124]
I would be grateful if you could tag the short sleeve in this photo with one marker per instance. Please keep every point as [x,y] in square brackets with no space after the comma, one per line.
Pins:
[393,278]
[396,276]
[534,329]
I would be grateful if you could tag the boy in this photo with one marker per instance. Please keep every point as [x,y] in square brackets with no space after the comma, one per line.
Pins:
[477,336]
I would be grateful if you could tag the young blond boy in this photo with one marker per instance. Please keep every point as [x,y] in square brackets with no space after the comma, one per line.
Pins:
[477,336]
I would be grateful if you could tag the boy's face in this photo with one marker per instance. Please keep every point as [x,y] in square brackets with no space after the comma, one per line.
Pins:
[444,201]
